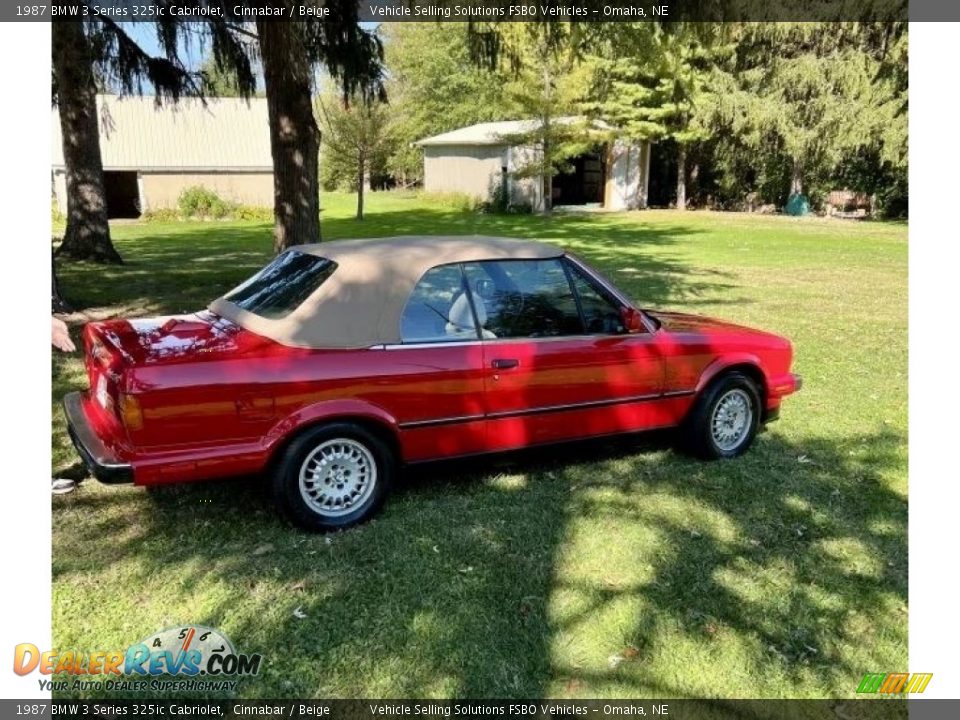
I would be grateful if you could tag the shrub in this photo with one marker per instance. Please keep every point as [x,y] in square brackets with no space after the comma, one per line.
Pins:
[161,215]
[457,201]
[55,215]
[500,202]
[253,213]
[201,202]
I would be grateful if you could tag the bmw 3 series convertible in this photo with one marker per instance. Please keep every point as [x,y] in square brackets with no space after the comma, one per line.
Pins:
[339,362]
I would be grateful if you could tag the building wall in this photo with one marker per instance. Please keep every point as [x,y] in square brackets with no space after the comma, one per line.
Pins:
[525,189]
[60,190]
[476,169]
[470,169]
[628,176]
[162,190]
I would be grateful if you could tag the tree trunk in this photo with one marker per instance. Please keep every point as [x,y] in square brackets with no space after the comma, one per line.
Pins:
[294,136]
[361,173]
[547,177]
[547,192]
[681,176]
[547,148]
[87,236]
[796,179]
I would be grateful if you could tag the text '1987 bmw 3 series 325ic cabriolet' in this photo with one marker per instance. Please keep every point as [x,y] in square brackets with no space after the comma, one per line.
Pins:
[340,361]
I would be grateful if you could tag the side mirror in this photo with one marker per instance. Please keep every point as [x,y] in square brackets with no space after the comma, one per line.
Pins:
[632,320]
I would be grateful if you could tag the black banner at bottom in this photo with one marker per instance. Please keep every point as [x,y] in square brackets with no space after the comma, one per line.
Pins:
[866,709]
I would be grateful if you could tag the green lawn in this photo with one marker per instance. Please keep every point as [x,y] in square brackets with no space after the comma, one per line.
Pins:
[617,570]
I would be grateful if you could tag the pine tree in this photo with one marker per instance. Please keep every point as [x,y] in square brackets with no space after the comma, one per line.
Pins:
[290,51]
[97,50]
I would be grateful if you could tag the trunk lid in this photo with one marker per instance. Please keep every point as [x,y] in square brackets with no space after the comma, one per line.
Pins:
[149,341]
[114,348]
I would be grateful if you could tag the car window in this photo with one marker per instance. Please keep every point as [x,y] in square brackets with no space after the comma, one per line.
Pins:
[438,309]
[601,315]
[523,298]
[283,285]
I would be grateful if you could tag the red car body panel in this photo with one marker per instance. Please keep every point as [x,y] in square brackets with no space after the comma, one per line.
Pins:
[196,397]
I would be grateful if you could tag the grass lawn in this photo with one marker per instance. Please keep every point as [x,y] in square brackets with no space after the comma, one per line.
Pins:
[619,569]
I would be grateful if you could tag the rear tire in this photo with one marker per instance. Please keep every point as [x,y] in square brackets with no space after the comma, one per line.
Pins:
[725,418]
[332,477]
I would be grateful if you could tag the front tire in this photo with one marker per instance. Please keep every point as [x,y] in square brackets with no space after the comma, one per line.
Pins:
[724,421]
[332,477]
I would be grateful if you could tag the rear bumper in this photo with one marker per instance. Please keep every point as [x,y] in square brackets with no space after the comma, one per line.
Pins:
[99,459]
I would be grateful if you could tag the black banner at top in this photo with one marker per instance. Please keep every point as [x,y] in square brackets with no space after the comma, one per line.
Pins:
[377,11]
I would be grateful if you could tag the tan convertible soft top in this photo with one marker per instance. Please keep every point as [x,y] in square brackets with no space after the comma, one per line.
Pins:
[360,304]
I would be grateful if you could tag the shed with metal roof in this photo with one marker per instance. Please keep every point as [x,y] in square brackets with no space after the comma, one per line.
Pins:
[152,153]
[478,160]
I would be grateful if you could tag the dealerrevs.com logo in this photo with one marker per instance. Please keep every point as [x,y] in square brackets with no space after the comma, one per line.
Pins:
[182,653]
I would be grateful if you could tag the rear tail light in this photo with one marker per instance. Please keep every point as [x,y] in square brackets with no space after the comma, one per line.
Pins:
[130,412]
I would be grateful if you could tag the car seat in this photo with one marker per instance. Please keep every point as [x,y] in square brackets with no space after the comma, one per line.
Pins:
[460,318]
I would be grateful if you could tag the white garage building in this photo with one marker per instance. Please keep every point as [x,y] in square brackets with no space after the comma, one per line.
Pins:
[152,153]
[476,159]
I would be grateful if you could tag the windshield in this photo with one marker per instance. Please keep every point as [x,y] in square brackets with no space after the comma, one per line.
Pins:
[280,288]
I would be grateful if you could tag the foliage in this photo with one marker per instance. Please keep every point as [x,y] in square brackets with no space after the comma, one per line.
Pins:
[545,86]
[161,215]
[202,203]
[356,140]
[547,570]
[56,217]
[98,54]
[127,69]
[221,80]
[453,201]
[434,88]
[648,82]
[803,98]
[252,213]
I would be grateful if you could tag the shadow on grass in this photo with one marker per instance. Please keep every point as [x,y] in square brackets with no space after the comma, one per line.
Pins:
[180,268]
[466,585]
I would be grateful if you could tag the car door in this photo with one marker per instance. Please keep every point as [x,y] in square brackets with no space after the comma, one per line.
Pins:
[558,361]
[436,389]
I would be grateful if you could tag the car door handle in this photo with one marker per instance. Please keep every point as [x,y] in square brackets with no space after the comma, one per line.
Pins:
[504,363]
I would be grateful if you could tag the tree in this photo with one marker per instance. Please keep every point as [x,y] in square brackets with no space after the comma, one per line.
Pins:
[289,52]
[294,136]
[356,132]
[434,87]
[650,82]
[545,86]
[806,97]
[97,50]
[221,79]
[87,235]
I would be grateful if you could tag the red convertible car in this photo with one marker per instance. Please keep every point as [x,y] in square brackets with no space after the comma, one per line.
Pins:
[340,361]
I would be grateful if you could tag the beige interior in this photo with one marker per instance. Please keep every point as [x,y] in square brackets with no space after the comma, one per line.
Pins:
[361,303]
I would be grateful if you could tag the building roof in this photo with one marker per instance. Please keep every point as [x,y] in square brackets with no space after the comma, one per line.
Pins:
[494,133]
[361,303]
[135,134]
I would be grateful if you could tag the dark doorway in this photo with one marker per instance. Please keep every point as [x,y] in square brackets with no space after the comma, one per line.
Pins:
[123,195]
[584,184]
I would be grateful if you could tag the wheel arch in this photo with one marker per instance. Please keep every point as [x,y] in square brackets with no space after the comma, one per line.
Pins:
[371,418]
[748,365]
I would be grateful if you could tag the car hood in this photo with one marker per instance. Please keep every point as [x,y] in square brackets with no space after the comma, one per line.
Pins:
[677,322]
